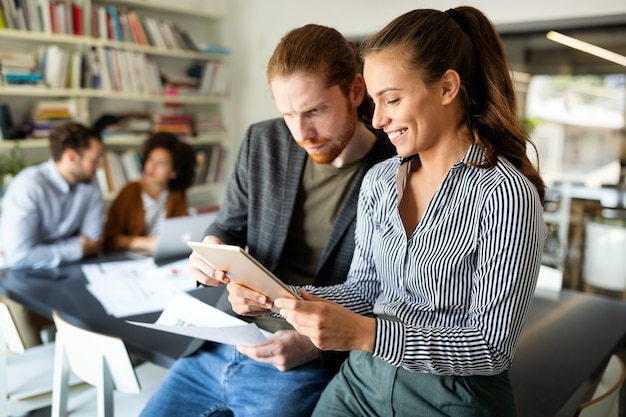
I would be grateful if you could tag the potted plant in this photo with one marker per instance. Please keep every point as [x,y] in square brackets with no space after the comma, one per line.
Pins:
[10,165]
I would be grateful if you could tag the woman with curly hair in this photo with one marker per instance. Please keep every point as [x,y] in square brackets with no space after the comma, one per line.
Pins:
[134,217]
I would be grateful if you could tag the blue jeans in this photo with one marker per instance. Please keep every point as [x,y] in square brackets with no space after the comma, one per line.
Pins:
[219,381]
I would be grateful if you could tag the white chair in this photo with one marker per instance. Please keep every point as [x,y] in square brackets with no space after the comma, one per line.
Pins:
[26,374]
[101,361]
[549,282]
[605,400]
[604,265]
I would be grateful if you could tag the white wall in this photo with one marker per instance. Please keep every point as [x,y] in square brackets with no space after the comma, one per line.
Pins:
[255,27]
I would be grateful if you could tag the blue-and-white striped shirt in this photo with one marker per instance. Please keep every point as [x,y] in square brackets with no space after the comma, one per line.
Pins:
[458,290]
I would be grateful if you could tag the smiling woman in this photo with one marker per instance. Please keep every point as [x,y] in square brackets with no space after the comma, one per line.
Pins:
[448,239]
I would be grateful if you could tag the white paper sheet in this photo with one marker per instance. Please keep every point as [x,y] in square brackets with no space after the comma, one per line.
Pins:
[189,316]
[139,286]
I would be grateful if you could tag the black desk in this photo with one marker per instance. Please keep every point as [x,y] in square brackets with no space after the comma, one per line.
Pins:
[563,349]
[42,293]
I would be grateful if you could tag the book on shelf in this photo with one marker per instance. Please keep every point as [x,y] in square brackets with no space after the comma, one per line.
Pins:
[220,87]
[101,27]
[215,80]
[103,68]
[126,71]
[75,71]
[11,13]
[208,164]
[16,80]
[3,22]
[137,28]
[43,8]
[216,50]
[153,32]
[54,66]
[6,122]
[114,26]
[31,13]
[131,164]
[116,178]
[202,165]
[65,17]
[187,40]
[127,35]
[114,69]
[215,164]
[77,16]
[118,168]
[101,177]
[56,16]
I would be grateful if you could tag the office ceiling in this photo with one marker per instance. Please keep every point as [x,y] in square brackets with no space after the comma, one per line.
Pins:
[530,51]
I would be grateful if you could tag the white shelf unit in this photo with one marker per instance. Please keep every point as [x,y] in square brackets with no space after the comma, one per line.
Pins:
[204,27]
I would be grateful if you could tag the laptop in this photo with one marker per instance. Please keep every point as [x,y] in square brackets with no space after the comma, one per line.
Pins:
[175,232]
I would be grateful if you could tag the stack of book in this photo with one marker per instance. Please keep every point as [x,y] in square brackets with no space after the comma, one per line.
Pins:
[177,85]
[48,114]
[178,124]
[133,126]
[209,122]
[19,68]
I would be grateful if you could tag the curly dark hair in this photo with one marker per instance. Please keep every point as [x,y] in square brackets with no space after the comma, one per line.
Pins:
[71,135]
[183,157]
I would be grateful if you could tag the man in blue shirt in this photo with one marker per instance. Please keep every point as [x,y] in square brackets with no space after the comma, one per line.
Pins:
[52,212]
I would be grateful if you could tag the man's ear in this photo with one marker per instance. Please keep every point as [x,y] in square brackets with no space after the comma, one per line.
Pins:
[357,90]
[70,155]
[450,86]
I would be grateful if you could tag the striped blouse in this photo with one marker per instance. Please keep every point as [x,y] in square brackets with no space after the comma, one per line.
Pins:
[452,298]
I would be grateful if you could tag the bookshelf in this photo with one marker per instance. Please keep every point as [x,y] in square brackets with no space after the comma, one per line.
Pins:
[117,57]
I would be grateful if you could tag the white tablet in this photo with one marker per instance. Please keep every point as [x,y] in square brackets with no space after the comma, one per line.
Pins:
[243,269]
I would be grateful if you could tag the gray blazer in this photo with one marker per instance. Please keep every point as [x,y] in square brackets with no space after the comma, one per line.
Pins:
[258,205]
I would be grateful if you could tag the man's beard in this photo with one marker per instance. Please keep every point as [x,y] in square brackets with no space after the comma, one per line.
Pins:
[336,146]
[82,178]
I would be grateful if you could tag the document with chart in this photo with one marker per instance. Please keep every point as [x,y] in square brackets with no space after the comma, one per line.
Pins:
[188,316]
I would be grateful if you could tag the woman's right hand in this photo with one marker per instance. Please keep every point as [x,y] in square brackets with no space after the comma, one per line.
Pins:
[204,273]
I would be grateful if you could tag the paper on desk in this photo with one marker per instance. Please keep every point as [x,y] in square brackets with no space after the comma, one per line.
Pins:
[189,316]
[139,286]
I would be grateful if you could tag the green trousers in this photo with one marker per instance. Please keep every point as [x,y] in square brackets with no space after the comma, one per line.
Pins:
[367,386]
